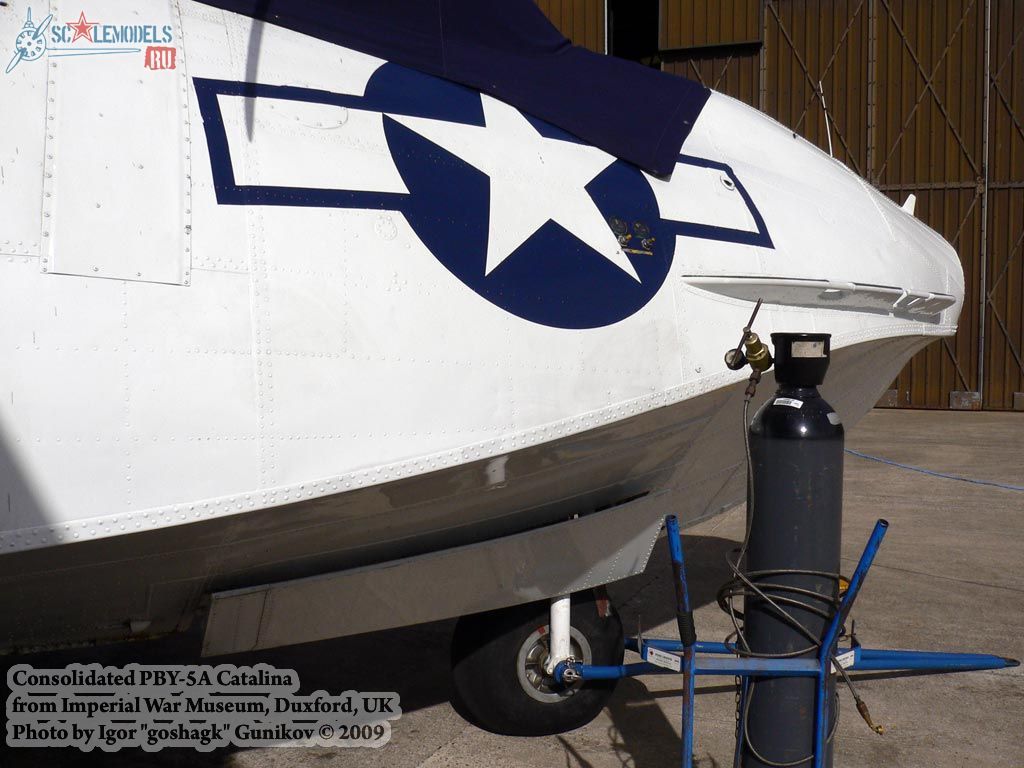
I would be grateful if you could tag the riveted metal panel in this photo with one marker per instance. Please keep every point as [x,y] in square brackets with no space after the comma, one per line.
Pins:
[116,182]
[572,556]
[23,126]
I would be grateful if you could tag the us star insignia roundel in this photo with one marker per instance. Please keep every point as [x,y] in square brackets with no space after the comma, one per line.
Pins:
[538,223]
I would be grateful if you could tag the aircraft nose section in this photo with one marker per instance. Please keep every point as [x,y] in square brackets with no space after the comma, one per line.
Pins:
[921,254]
[832,240]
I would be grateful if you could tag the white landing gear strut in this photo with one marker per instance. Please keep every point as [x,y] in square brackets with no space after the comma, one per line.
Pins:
[559,641]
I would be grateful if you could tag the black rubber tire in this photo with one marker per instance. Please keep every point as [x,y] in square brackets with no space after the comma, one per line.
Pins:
[487,687]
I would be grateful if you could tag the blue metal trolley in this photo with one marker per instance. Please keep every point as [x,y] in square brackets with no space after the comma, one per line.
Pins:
[691,658]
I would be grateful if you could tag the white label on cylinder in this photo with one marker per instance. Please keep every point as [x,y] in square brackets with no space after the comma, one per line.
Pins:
[808,349]
[791,402]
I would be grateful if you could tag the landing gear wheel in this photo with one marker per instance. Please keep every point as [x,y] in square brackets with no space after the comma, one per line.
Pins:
[498,662]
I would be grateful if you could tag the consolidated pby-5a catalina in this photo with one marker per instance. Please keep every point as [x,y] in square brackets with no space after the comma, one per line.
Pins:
[319,319]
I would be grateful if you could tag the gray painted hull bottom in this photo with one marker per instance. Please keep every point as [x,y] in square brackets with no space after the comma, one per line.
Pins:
[155,582]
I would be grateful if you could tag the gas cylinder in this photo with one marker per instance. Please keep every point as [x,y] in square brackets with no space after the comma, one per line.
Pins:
[795,508]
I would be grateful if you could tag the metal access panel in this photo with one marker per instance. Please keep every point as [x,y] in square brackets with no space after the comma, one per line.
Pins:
[22,144]
[571,556]
[116,192]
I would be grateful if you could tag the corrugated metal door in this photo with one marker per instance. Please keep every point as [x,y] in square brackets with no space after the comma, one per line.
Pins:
[926,133]
[582,21]
[716,44]
[1004,337]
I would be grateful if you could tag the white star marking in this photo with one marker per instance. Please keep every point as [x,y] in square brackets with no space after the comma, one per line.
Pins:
[533,179]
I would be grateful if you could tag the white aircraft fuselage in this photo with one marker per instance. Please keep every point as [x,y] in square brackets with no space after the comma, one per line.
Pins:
[267,317]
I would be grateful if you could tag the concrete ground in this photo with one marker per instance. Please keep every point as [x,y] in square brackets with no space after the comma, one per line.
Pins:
[950,576]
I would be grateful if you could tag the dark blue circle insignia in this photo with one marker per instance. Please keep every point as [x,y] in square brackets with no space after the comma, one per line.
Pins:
[553,278]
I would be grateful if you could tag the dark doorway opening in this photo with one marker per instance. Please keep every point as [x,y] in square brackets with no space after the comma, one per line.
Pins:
[633,30]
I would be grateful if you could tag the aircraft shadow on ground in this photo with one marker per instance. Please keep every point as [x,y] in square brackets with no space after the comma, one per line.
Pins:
[411,660]
[640,734]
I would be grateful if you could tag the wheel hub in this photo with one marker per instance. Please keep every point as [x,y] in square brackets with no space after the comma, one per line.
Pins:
[533,656]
